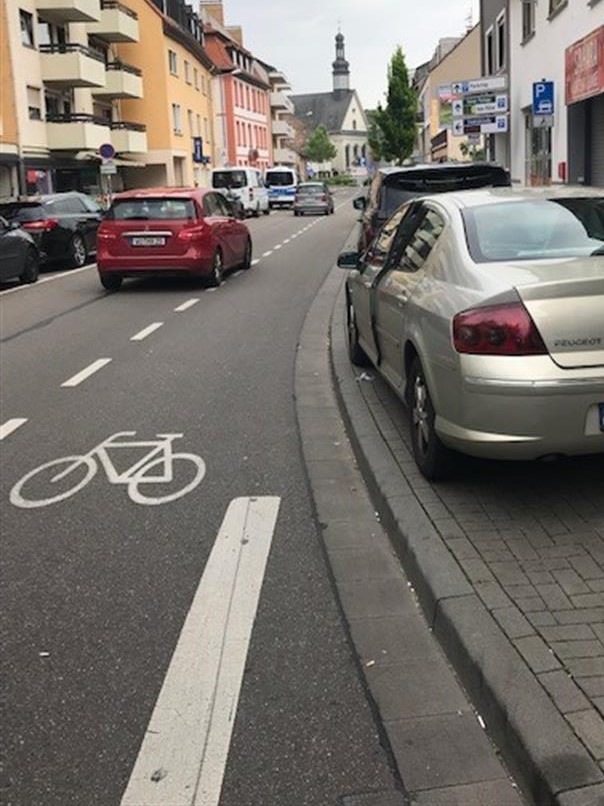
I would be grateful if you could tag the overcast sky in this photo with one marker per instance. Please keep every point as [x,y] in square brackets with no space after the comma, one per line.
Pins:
[297,36]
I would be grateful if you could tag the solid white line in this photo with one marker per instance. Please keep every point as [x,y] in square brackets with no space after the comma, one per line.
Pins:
[86,373]
[256,261]
[268,254]
[47,280]
[188,304]
[11,425]
[183,754]
[146,331]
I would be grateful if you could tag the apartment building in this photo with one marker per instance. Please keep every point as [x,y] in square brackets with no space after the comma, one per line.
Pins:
[176,107]
[282,110]
[241,91]
[63,89]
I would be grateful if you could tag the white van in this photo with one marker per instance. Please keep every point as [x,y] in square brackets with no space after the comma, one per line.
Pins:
[246,184]
[282,182]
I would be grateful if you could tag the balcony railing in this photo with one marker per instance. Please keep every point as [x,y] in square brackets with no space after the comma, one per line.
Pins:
[117,23]
[121,81]
[125,68]
[76,131]
[128,137]
[72,65]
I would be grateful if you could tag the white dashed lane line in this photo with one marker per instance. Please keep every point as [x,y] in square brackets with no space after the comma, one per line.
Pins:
[11,425]
[146,331]
[268,254]
[255,262]
[87,372]
[279,245]
[186,305]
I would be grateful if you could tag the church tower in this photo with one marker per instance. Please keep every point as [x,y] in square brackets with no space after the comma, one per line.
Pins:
[341,71]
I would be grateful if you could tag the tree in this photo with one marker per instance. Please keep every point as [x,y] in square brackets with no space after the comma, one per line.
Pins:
[397,121]
[319,147]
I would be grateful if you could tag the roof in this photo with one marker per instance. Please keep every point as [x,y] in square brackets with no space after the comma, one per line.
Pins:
[463,199]
[217,46]
[142,193]
[323,108]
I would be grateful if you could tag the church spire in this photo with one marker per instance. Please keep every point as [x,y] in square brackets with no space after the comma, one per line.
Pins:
[341,71]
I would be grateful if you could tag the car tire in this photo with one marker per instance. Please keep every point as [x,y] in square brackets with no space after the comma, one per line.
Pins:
[256,212]
[247,255]
[267,211]
[111,282]
[433,459]
[217,273]
[357,355]
[31,267]
[77,252]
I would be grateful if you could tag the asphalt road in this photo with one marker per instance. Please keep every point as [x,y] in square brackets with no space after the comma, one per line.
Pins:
[96,587]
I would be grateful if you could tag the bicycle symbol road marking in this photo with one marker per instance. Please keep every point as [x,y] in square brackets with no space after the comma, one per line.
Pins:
[160,458]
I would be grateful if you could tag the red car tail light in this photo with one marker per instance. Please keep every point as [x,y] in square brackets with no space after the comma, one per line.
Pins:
[105,234]
[193,233]
[40,226]
[497,330]
[323,197]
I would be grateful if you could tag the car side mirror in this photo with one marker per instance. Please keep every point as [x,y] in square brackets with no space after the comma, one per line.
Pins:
[348,260]
[359,203]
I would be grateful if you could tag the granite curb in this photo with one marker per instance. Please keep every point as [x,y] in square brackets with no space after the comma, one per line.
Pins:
[536,742]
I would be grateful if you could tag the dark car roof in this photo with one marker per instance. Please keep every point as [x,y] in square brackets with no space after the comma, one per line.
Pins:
[43,197]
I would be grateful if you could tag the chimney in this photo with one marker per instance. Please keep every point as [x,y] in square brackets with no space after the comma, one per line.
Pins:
[212,9]
[236,33]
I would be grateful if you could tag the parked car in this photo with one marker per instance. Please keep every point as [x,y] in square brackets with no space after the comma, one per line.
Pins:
[18,253]
[391,187]
[245,185]
[484,311]
[313,197]
[64,225]
[171,231]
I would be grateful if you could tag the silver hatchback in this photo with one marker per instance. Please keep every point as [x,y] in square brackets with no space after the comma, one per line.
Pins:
[484,310]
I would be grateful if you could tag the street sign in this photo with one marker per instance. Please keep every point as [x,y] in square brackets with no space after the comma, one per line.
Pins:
[486,104]
[489,124]
[108,168]
[543,98]
[197,149]
[107,151]
[477,85]
[543,121]
[474,139]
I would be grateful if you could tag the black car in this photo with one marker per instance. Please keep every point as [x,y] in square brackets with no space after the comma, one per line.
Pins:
[18,253]
[391,187]
[63,225]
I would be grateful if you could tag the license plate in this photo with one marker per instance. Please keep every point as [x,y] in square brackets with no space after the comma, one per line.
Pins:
[601,416]
[149,240]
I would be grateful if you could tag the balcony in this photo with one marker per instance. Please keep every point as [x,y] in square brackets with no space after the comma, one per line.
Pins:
[281,101]
[76,132]
[71,65]
[284,156]
[282,128]
[122,81]
[117,23]
[128,137]
[62,11]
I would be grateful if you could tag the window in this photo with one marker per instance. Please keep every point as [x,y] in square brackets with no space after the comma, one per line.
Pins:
[556,5]
[501,41]
[197,125]
[190,118]
[421,242]
[528,19]
[187,72]
[34,103]
[489,55]
[195,78]
[26,21]
[173,62]
[176,119]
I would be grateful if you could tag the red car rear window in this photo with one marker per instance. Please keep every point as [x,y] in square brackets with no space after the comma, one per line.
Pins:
[163,209]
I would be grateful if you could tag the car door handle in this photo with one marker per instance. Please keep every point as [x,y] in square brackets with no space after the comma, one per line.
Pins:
[402,300]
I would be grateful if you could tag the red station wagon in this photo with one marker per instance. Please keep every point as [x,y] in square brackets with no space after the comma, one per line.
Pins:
[172,232]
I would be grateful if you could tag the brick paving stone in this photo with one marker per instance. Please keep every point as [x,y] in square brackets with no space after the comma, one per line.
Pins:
[564,691]
[599,631]
[532,605]
[540,577]
[592,686]
[596,585]
[476,570]
[537,654]
[520,591]
[570,582]
[599,703]
[589,726]
[462,548]
[541,619]
[521,550]
[588,600]
[492,594]
[554,597]
[512,622]
[577,649]
[575,632]
[586,667]
[509,573]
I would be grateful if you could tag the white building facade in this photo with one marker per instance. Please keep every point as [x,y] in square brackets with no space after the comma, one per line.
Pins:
[560,41]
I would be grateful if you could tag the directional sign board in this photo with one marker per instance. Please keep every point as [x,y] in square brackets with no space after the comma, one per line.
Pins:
[478,85]
[487,104]
[543,98]
[485,124]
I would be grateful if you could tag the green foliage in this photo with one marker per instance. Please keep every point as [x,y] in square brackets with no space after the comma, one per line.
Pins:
[395,125]
[318,147]
[340,179]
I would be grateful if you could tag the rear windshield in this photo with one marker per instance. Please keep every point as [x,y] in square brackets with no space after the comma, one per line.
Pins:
[533,230]
[22,212]
[228,179]
[399,188]
[310,189]
[166,209]
[280,178]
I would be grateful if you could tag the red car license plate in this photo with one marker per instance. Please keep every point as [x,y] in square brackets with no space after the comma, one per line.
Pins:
[148,240]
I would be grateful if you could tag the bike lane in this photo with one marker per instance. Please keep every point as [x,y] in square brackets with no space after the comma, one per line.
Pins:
[97,587]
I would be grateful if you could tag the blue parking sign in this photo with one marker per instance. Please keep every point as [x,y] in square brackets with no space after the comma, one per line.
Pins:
[543,98]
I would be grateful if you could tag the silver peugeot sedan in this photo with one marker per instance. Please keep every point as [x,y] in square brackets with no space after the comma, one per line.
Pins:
[484,310]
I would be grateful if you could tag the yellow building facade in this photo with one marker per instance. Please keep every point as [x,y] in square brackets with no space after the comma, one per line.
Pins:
[9,134]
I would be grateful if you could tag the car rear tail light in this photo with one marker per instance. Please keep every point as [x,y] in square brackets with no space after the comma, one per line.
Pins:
[40,226]
[194,233]
[497,330]
[323,197]
[105,235]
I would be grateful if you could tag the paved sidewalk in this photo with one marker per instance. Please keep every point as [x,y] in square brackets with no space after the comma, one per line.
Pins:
[508,563]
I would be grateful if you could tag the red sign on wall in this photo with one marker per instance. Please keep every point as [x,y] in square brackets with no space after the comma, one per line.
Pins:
[585,67]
